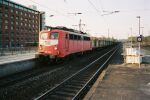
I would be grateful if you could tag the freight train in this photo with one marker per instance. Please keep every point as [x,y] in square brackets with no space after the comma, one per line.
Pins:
[62,42]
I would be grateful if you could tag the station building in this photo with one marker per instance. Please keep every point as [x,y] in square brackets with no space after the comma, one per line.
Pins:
[19,25]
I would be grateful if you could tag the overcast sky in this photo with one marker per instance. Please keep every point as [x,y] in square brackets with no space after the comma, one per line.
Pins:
[95,14]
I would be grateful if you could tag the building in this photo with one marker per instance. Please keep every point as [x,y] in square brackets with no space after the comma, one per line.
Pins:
[19,25]
[42,20]
[42,17]
[33,7]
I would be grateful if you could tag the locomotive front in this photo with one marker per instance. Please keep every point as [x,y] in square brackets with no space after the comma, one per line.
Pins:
[48,44]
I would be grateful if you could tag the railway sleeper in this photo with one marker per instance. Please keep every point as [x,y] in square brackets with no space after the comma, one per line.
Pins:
[64,93]
[69,90]
[88,73]
[78,82]
[82,79]
[56,97]
[77,85]
[85,79]
[83,76]
[73,87]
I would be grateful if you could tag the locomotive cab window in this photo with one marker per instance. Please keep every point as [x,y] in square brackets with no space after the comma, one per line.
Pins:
[54,35]
[44,36]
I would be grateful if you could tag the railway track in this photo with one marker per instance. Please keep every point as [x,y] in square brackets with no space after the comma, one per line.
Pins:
[28,85]
[76,85]
[22,76]
[19,77]
[13,80]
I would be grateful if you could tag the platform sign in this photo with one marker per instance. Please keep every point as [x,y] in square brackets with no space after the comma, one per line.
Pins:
[139,39]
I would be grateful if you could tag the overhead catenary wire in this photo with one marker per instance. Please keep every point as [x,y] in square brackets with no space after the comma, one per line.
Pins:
[93,6]
[99,13]
[46,7]
[134,10]
[52,10]
[101,5]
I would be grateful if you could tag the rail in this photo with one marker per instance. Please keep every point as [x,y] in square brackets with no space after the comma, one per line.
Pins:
[92,78]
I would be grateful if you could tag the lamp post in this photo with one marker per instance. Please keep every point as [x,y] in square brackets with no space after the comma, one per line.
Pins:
[131,36]
[139,23]
[139,42]
[108,33]
[142,30]
[142,33]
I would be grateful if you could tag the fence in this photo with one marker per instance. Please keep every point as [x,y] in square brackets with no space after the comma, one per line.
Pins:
[17,50]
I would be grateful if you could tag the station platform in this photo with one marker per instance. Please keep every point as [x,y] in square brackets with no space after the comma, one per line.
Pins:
[11,64]
[122,82]
[17,57]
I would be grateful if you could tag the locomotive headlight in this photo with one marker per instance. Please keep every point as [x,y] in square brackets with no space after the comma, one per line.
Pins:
[55,48]
[40,47]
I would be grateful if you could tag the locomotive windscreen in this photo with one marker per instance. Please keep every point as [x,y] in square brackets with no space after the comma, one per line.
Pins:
[53,35]
[43,36]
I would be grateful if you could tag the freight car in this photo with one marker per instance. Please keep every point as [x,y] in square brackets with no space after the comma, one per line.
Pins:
[101,42]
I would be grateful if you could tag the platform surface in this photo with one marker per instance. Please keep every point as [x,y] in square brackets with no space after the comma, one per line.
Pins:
[18,57]
[122,82]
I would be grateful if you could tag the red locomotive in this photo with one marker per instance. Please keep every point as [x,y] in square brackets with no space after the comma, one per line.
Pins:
[58,43]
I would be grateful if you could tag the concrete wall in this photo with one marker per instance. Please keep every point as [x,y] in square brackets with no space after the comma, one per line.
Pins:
[15,67]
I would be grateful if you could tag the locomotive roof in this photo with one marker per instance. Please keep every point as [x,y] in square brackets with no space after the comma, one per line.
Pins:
[65,29]
[75,33]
